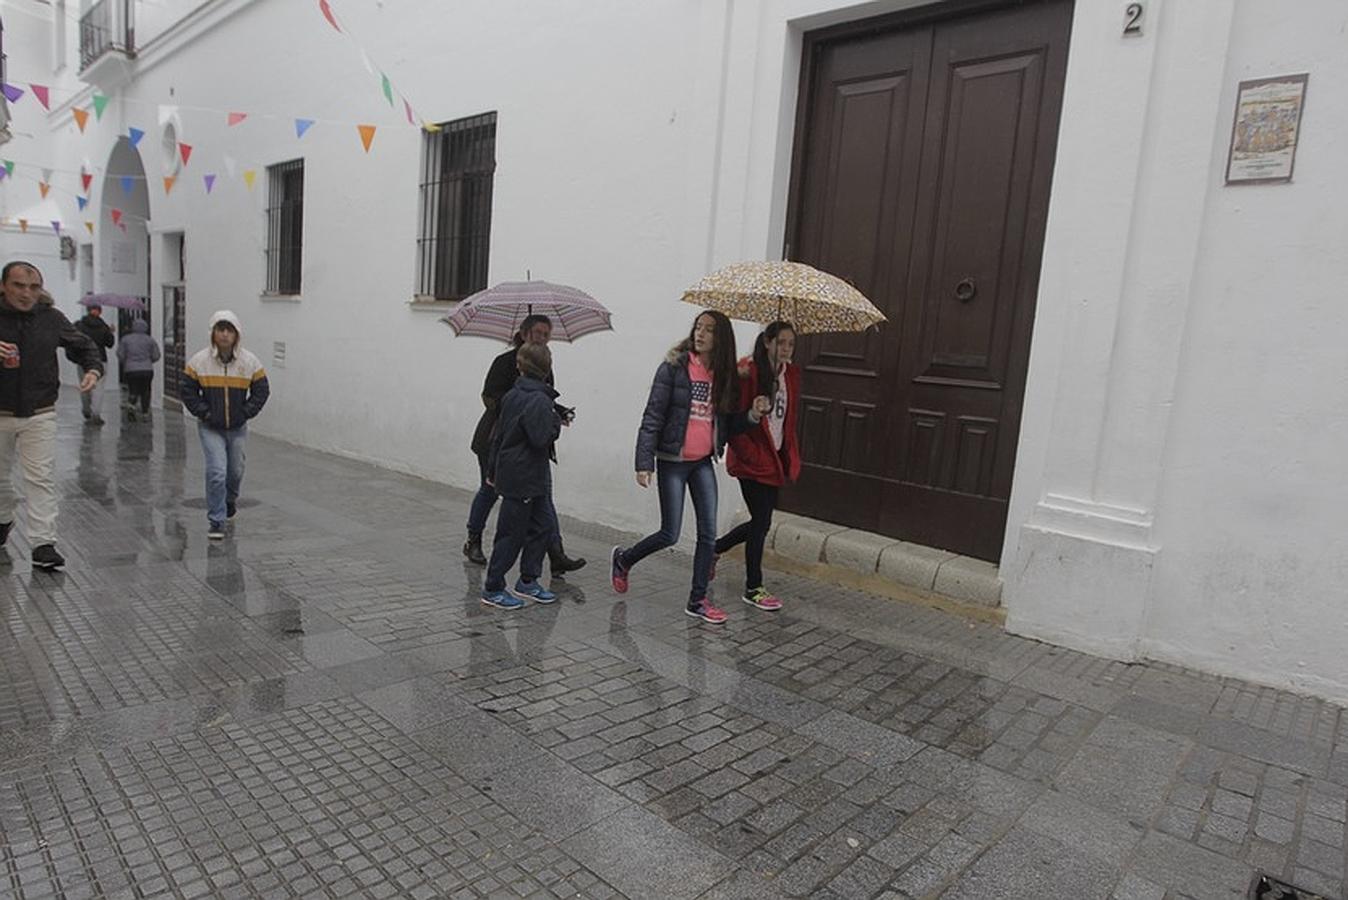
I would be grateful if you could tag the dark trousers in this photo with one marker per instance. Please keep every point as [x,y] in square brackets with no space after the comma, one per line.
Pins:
[524,526]
[761,500]
[138,387]
[485,499]
[671,478]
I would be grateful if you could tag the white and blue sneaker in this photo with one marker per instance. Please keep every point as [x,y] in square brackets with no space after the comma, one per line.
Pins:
[502,599]
[533,591]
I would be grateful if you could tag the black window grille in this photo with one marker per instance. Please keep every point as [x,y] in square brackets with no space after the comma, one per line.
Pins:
[454,236]
[285,226]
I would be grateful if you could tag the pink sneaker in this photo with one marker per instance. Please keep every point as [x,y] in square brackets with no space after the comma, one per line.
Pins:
[618,573]
[762,599]
[706,612]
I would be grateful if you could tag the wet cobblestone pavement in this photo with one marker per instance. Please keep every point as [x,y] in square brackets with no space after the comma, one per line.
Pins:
[319,706]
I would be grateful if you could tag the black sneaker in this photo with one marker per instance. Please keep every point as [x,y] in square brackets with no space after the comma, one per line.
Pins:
[4,532]
[46,557]
[216,531]
[231,509]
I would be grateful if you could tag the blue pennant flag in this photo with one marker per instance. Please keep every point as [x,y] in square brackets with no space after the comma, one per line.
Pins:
[135,134]
[301,126]
[83,201]
[127,183]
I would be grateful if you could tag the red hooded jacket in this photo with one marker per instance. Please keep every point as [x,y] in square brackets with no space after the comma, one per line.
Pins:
[751,454]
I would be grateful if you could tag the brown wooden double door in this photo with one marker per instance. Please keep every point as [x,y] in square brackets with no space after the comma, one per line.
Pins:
[924,154]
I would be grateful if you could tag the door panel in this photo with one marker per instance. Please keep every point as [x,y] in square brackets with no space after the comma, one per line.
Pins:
[923,170]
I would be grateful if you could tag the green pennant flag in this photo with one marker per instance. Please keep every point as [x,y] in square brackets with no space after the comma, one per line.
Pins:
[388,89]
[9,167]
[100,104]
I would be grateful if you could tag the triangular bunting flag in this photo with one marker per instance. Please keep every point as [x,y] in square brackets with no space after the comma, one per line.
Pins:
[9,167]
[43,187]
[42,94]
[301,126]
[87,179]
[127,184]
[123,227]
[116,217]
[135,134]
[56,226]
[12,93]
[81,117]
[236,117]
[100,104]
[89,225]
[249,176]
[366,135]
[168,183]
[23,225]
[210,182]
[185,150]
[407,108]
[83,202]
[388,88]
[327,14]
[3,173]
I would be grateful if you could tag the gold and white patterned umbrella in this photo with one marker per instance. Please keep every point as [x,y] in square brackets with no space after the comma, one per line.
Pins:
[763,292]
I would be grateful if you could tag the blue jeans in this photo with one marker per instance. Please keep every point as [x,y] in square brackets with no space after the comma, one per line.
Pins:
[483,501]
[523,525]
[699,477]
[224,467]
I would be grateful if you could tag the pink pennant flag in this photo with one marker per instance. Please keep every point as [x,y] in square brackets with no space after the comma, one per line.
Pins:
[43,95]
[185,150]
[87,179]
[327,14]
[236,117]
[407,107]
[116,217]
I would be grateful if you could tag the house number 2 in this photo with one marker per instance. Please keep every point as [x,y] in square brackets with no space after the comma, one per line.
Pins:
[1132,20]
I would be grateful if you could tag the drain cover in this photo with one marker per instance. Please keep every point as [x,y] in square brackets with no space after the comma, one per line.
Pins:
[1266,887]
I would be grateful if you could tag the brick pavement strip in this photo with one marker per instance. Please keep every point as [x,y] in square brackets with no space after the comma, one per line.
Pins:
[320,706]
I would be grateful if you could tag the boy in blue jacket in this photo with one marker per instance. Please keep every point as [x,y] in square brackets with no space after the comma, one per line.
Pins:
[520,467]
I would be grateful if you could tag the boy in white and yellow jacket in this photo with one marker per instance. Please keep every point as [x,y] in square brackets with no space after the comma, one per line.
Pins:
[223,386]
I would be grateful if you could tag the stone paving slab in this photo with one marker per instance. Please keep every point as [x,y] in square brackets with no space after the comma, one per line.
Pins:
[320,707]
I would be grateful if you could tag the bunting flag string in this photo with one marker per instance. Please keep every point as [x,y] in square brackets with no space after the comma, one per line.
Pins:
[210,182]
[83,202]
[185,151]
[168,183]
[249,175]
[81,117]
[387,87]
[236,118]
[12,92]
[366,135]
[135,135]
[326,9]
[86,179]
[42,94]
[301,126]
[100,104]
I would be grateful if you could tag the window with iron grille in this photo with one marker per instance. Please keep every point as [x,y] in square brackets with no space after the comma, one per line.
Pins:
[454,235]
[285,226]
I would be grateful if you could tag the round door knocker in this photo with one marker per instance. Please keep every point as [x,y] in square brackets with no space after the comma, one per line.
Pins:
[966,289]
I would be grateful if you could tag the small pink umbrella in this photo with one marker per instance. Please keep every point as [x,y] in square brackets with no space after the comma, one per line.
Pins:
[113,301]
[498,311]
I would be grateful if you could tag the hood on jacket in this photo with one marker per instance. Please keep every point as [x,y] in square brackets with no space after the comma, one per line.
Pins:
[140,326]
[224,315]
[678,354]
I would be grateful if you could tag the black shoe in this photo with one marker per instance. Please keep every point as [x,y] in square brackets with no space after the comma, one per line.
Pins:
[215,531]
[46,557]
[4,532]
[231,509]
[561,563]
[97,420]
[472,550]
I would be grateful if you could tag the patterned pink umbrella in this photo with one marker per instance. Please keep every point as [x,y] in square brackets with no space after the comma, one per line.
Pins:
[113,301]
[498,311]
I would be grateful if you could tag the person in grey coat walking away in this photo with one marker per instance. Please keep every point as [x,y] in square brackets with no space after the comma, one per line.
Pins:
[136,355]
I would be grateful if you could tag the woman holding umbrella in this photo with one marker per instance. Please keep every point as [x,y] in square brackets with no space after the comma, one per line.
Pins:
[693,408]
[767,457]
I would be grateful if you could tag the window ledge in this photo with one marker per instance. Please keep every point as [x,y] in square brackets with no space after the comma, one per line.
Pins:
[279,298]
[422,303]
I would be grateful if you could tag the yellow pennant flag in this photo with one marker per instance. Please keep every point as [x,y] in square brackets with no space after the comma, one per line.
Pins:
[249,176]
[366,135]
[89,225]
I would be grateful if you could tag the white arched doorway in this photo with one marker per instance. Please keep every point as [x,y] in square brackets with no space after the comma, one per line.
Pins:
[122,261]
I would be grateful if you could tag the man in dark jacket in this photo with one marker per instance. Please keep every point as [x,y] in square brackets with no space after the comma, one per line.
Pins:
[520,467]
[30,380]
[535,329]
[96,330]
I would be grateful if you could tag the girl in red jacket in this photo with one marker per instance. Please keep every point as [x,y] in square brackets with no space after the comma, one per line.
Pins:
[766,457]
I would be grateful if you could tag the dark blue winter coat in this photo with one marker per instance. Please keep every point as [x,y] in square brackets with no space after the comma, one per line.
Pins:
[665,420]
[521,450]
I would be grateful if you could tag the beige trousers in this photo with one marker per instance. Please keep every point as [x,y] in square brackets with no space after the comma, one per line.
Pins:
[32,441]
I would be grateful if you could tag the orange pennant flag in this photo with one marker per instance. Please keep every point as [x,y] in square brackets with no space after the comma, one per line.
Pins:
[81,117]
[23,225]
[168,182]
[249,175]
[44,188]
[366,135]
[89,225]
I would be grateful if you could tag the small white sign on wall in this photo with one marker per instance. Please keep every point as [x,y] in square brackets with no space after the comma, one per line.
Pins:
[123,258]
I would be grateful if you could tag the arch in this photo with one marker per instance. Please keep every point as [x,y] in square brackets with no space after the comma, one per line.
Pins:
[123,260]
